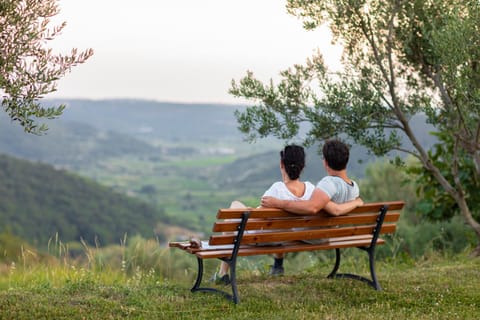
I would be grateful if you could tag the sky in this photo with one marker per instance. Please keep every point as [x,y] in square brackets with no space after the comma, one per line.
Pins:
[180,50]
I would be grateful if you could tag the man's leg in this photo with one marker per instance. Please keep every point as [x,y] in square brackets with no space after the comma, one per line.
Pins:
[277,268]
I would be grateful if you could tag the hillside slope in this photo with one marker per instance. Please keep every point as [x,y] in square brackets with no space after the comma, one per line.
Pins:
[39,202]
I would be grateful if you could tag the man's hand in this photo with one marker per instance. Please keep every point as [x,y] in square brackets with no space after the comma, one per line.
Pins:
[338,209]
[271,202]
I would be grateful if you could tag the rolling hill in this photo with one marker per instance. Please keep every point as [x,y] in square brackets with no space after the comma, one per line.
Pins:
[39,202]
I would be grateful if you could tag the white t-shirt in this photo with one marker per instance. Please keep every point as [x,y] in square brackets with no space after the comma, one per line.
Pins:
[338,190]
[279,190]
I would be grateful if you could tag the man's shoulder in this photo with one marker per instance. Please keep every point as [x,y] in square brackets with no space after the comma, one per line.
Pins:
[328,180]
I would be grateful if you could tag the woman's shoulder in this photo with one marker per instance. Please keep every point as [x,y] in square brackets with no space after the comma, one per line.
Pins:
[278,184]
[308,183]
[309,188]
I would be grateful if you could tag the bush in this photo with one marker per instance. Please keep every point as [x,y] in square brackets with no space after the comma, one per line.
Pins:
[447,237]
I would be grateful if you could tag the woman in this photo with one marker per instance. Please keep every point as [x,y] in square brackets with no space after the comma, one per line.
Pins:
[292,162]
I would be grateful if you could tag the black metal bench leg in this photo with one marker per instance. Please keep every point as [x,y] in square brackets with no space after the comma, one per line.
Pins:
[232,261]
[337,264]
[196,286]
[233,282]
[373,282]
[371,257]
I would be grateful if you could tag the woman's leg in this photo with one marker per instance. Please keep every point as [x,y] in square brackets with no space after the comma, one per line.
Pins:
[224,267]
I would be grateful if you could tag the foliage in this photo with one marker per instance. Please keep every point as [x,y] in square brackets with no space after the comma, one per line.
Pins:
[11,247]
[384,181]
[426,238]
[416,235]
[398,62]
[28,68]
[434,202]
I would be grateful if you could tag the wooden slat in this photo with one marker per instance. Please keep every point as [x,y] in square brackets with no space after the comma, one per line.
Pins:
[274,236]
[297,247]
[273,213]
[303,222]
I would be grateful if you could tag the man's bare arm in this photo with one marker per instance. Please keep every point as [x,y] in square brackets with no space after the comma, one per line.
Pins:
[303,207]
[338,209]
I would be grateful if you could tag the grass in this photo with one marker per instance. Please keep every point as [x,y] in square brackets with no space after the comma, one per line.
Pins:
[433,288]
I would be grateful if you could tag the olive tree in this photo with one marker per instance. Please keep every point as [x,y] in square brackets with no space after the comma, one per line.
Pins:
[401,58]
[28,67]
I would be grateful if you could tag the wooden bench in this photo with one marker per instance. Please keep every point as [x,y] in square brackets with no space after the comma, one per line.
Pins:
[249,231]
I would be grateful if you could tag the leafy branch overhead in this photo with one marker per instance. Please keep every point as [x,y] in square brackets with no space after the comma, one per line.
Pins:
[28,67]
[401,58]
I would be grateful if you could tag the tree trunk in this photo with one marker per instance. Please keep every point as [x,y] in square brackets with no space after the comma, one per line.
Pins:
[459,197]
[476,252]
[467,215]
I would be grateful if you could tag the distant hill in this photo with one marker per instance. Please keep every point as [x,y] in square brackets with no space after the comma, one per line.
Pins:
[150,120]
[39,201]
[90,129]
[69,143]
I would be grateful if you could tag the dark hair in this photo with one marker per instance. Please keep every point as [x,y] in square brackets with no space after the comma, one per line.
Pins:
[293,159]
[336,154]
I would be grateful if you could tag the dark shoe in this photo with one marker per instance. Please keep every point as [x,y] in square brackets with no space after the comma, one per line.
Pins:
[276,271]
[225,279]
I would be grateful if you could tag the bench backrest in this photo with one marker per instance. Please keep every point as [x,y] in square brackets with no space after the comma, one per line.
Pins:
[266,225]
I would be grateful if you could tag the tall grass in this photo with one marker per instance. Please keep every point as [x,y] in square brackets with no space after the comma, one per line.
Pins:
[140,279]
[436,287]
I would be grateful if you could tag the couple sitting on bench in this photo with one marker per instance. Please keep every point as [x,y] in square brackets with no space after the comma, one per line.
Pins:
[336,193]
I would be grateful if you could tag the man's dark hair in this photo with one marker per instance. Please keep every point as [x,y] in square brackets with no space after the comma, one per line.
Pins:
[293,159]
[336,153]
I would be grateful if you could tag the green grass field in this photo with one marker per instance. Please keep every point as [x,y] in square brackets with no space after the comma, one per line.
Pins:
[433,288]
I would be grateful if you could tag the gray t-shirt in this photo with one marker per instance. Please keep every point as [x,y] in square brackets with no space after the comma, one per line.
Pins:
[338,190]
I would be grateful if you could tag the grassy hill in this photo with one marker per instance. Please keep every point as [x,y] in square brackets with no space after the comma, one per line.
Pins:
[433,289]
[39,201]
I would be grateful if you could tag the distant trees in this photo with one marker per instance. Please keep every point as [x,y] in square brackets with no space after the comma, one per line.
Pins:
[401,58]
[28,68]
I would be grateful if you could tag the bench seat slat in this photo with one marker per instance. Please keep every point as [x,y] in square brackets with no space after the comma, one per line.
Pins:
[303,222]
[278,236]
[185,245]
[296,247]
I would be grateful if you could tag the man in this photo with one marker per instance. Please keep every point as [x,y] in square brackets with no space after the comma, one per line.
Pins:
[334,188]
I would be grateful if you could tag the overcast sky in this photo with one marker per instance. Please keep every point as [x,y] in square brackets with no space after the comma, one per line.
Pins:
[180,50]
